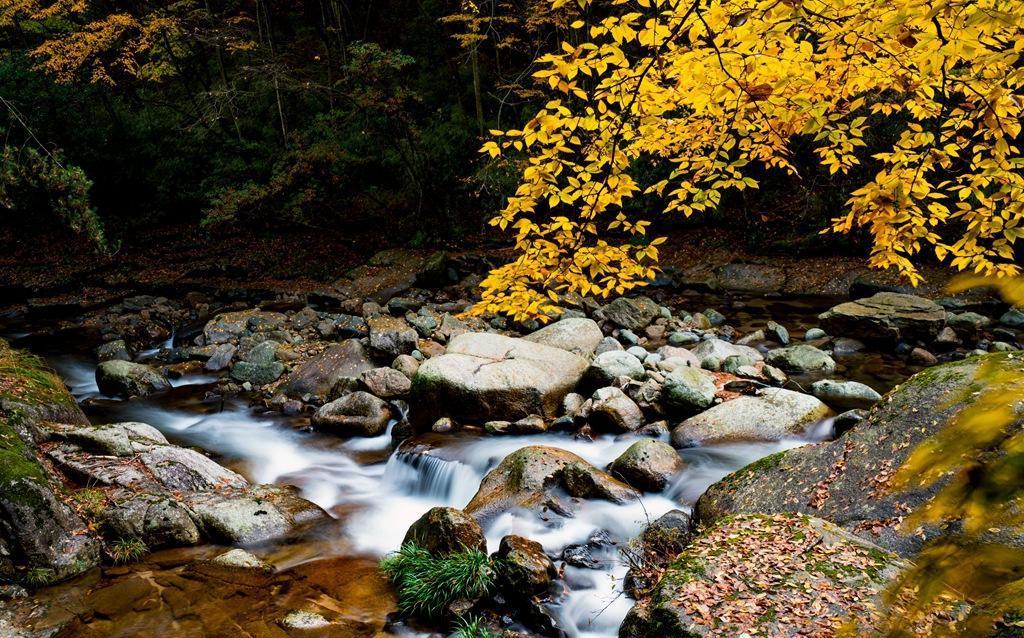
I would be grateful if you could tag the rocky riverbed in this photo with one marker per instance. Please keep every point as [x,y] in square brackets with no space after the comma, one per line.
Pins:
[209,465]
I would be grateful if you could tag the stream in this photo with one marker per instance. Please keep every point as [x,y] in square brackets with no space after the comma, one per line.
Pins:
[374,493]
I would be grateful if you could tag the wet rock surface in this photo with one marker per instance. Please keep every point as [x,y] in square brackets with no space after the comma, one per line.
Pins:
[835,480]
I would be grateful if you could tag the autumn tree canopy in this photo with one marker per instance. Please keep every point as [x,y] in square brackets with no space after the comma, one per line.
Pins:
[715,88]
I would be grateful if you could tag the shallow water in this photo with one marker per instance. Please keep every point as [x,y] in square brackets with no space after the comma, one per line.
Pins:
[375,493]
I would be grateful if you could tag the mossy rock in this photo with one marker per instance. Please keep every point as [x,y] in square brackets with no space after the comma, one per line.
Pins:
[758,574]
[538,476]
[44,534]
[843,481]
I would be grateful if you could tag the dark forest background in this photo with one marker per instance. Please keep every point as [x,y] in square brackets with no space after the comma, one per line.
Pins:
[346,116]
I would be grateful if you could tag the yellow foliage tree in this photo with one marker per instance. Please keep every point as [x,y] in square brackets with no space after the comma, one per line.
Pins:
[977,462]
[712,87]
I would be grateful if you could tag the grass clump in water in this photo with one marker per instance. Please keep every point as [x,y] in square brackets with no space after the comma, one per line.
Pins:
[427,584]
[127,550]
[473,627]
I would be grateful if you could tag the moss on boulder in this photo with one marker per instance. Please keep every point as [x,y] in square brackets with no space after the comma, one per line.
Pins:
[845,481]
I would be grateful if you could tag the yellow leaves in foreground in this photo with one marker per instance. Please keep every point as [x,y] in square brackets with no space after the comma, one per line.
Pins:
[709,88]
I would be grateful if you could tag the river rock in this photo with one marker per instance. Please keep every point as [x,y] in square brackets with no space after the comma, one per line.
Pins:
[921,357]
[237,567]
[129,379]
[114,350]
[632,313]
[183,469]
[406,364]
[115,439]
[252,515]
[221,357]
[845,395]
[612,411]
[886,317]
[688,390]
[801,358]
[525,569]
[356,414]
[161,521]
[304,620]
[791,481]
[772,415]
[229,326]
[446,530]
[608,366]
[391,336]
[722,350]
[756,575]
[260,366]
[534,477]
[386,383]
[577,335]
[486,377]
[647,465]
[1013,318]
[339,365]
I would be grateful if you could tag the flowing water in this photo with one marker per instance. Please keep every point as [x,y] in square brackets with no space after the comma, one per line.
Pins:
[375,493]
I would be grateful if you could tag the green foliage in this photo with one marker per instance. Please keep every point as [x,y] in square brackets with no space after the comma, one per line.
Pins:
[427,585]
[472,627]
[39,576]
[32,182]
[371,159]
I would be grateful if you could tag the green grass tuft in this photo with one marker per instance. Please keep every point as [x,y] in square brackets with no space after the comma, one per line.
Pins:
[127,550]
[89,502]
[472,627]
[427,585]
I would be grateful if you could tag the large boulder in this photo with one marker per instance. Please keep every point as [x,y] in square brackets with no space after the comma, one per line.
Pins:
[539,476]
[578,335]
[485,377]
[844,481]
[39,532]
[772,415]
[446,530]
[801,358]
[760,575]
[632,313]
[886,317]
[128,379]
[356,414]
[341,364]
[647,465]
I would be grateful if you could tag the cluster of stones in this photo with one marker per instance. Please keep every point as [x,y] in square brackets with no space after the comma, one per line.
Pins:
[73,490]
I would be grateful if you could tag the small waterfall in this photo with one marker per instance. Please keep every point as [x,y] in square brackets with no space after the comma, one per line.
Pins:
[431,477]
[152,352]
